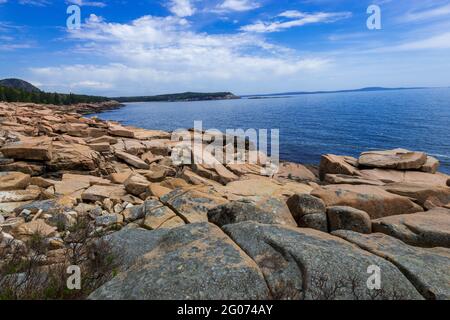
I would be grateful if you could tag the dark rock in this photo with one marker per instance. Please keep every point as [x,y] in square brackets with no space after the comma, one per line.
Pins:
[194,262]
[427,269]
[308,264]
[308,211]
[240,211]
[348,218]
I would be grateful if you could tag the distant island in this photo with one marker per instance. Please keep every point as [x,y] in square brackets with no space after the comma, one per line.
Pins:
[295,93]
[186,96]
[17,90]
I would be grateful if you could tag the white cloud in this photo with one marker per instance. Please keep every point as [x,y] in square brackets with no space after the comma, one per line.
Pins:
[83,3]
[182,8]
[439,41]
[238,5]
[14,46]
[292,14]
[163,54]
[298,19]
[37,3]
[441,11]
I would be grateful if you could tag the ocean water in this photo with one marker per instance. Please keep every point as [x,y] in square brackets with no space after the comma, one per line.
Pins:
[312,125]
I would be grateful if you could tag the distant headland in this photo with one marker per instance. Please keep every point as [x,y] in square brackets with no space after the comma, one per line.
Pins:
[17,90]
[295,93]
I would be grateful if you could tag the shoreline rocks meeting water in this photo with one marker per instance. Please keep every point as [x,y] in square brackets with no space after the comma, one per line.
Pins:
[222,231]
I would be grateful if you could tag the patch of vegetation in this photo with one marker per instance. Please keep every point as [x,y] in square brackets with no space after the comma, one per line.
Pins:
[24,275]
[8,94]
[186,96]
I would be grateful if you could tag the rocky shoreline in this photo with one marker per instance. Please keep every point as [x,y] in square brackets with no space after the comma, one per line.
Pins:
[211,231]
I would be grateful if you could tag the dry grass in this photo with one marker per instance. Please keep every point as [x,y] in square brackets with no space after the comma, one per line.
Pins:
[25,276]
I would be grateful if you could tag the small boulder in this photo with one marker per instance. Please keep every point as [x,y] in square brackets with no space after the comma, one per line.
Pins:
[393,176]
[308,211]
[355,180]
[26,230]
[39,149]
[51,207]
[377,202]
[109,220]
[304,204]
[294,171]
[75,157]
[431,165]
[120,131]
[424,229]
[240,211]
[19,195]
[63,220]
[100,193]
[14,181]
[421,193]
[347,218]
[333,164]
[32,168]
[136,184]
[132,160]
[398,159]
[157,190]
[151,158]
[193,205]
[157,175]
[120,177]
[100,147]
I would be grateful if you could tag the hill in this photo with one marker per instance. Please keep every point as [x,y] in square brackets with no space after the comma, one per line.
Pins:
[18,84]
[186,96]
[16,90]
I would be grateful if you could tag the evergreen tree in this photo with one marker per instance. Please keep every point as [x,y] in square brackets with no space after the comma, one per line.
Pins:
[15,95]
[2,94]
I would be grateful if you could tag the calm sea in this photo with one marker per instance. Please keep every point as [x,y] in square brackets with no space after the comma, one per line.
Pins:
[312,125]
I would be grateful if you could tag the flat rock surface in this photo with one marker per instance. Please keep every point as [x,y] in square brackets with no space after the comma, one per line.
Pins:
[193,205]
[392,176]
[347,218]
[308,264]
[132,160]
[18,195]
[438,195]
[377,202]
[39,148]
[99,192]
[425,229]
[355,180]
[239,211]
[332,164]
[194,262]
[399,159]
[129,245]
[14,181]
[294,171]
[427,269]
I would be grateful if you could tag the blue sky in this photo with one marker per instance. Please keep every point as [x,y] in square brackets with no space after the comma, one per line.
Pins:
[245,46]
